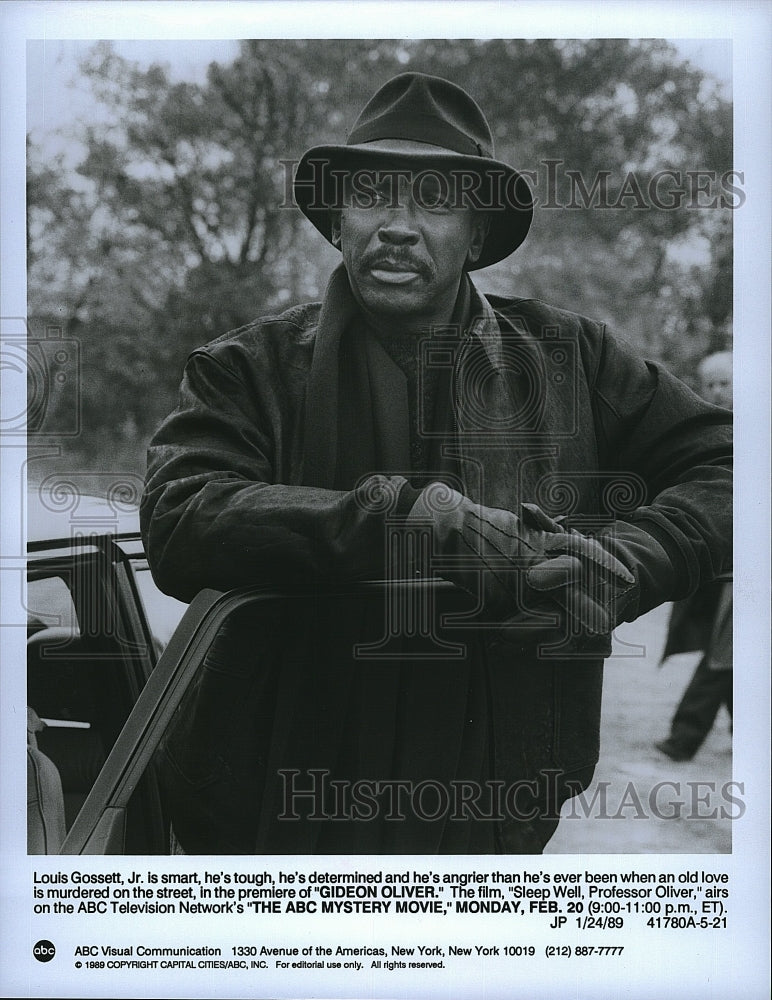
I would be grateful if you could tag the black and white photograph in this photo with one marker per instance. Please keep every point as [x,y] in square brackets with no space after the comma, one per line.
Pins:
[373,540]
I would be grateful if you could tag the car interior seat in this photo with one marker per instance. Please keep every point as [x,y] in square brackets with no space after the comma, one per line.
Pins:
[64,691]
[45,798]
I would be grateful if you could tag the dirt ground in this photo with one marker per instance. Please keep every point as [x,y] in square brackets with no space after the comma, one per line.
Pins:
[639,698]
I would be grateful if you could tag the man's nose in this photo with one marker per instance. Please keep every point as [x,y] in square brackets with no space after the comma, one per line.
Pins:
[398,229]
[399,222]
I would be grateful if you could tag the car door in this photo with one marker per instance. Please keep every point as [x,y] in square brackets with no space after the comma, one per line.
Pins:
[90,651]
[160,613]
[391,609]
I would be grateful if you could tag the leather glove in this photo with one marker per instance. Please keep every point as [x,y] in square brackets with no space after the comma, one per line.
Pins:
[526,562]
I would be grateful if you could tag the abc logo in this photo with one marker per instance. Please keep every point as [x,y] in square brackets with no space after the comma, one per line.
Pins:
[44,951]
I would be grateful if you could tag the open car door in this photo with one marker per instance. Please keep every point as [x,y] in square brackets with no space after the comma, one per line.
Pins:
[101,823]
[290,632]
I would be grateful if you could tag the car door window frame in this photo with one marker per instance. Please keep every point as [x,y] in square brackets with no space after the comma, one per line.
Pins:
[112,628]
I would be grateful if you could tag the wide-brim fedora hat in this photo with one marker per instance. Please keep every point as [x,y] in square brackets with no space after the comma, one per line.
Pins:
[428,124]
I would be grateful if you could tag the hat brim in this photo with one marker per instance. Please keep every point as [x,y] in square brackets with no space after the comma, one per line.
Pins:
[511,214]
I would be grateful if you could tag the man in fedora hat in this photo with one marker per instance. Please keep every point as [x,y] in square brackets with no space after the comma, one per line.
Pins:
[410,428]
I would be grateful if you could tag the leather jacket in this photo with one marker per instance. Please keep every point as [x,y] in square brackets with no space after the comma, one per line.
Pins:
[244,487]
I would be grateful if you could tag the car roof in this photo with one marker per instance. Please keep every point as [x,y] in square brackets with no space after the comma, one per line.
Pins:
[67,514]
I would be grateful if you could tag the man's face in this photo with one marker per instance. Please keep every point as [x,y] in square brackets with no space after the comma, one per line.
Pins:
[405,241]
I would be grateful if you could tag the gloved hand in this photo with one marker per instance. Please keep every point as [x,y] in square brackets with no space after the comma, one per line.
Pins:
[525,563]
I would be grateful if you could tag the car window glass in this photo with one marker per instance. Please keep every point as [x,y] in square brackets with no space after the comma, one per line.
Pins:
[78,690]
[163,613]
[50,604]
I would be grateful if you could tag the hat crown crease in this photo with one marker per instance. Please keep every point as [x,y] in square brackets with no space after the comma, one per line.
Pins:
[418,96]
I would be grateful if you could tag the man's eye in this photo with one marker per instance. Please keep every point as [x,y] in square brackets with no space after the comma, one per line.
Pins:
[433,194]
[382,194]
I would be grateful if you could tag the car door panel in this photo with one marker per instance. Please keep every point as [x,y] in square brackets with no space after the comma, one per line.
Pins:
[132,758]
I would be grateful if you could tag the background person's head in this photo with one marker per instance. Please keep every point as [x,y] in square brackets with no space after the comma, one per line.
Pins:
[715,373]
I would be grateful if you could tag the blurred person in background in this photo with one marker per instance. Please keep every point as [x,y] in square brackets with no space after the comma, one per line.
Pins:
[704,621]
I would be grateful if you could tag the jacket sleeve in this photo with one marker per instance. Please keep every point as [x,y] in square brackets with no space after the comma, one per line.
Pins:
[650,423]
[213,516]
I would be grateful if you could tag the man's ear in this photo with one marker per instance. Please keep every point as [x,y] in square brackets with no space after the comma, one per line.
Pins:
[335,229]
[480,226]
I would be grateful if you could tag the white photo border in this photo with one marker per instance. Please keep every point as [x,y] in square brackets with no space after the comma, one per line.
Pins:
[737,965]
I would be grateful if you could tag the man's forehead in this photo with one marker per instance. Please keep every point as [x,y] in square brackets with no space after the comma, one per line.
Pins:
[427,182]
[390,169]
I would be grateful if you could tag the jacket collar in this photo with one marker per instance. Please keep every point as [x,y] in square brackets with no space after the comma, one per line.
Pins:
[485,327]
[338,311]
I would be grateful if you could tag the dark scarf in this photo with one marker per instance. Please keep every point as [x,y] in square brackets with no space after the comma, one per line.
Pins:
[357,418]
[375,724]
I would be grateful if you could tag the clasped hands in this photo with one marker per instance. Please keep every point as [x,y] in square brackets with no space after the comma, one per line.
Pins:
[525,563]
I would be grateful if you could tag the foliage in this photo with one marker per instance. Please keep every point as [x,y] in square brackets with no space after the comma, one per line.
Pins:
[176,226]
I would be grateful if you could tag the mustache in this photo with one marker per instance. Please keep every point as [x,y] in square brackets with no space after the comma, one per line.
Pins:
[397,257]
